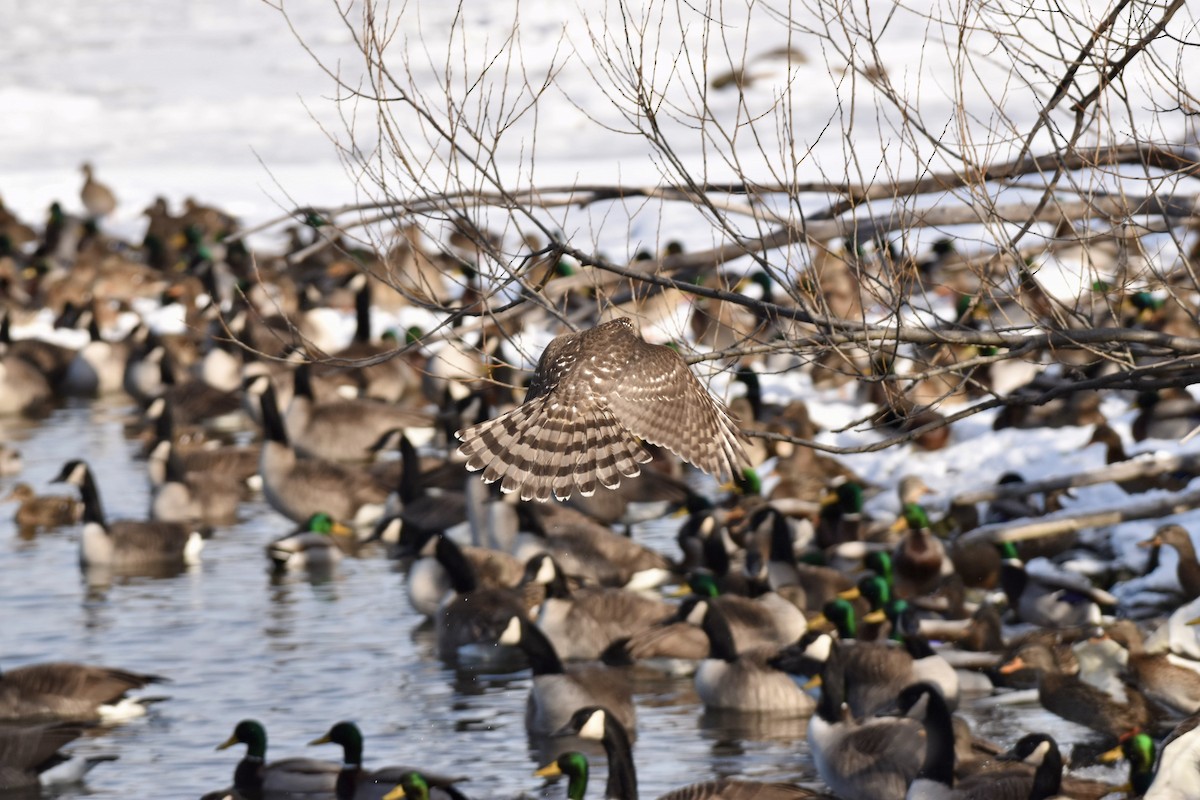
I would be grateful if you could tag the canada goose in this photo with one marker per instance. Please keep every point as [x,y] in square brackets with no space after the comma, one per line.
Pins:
[472,613]
[1065,694]
[22,386]
[1188,569]
[299,488]
[742,681]
[1052,601]
[356,783]
[582,623]
[388,380]
[589,550]
[72,691]
[874,672]
[45,511]
[820,584]
[345,430]
[50,359]
[126,543]
[428,579]
[312,546]
[29,756]
[875,759]
[558,692]
[239,462]
[97,198]
[99,366]
[208,498]
[254,778]
[1138,749]
[194,401]
[595,723]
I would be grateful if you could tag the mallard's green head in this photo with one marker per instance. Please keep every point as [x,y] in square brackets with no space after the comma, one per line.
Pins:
[412,785]
[1138,749]
[1008,550]
[1144,301]
[413,334]
[575,766]
[840,613]
[880,562]
[915,517]
[849,497]
[321,522]
[703,583]
[876,590]
[749,483]
[251,733]
[349,737]
[963,305]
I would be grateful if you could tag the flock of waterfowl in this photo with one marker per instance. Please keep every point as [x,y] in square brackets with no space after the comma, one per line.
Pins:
[783,598]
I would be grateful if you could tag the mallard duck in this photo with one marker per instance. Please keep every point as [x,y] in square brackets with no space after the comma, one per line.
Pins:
[1169,413]
[1062,600]
[11,461]
[345,430]
[255,778]
[582,623]
[1168,680]
[299,488]
[919,558]
[1138,749]
[842,518]
[356,783]
[44,511]
[742,681]
[764,619]
[97,198]
[29,756]
[597,724]
[556,692]
[126,544]
[1062,692]
[71,691]
[416,786]
[312,546]
[574,765]
[1188,569]
[1177,775]
[1115,453]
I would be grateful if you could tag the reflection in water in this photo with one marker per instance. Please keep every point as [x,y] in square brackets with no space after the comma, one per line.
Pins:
[728,729]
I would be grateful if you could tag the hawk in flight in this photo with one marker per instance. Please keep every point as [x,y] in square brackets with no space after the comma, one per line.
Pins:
[594,398]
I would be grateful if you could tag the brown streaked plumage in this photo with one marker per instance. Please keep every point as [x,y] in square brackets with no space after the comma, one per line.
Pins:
[596,395]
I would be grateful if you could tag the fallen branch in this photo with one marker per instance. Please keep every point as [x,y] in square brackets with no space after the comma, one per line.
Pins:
[1069,523]
[1121,471]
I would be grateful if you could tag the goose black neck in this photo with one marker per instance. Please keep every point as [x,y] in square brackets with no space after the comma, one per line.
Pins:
[782,546]
[93,509]
[164,425]
[410,472]
[302,381]
[622,775]
[939,740]
[362,313]
[538,649]
[166,370]
[716,557]
[1047,779]
[5,332]
[917,646]
[458,568]
[1013,580]
[833,686]
[272,422]
[175,470]
[558,588]
[720,636]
